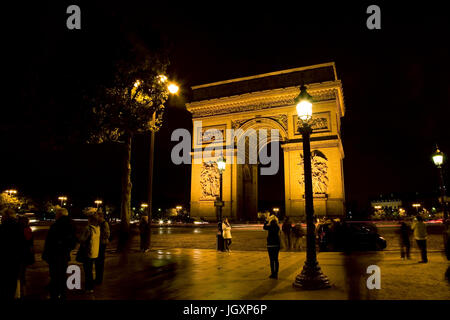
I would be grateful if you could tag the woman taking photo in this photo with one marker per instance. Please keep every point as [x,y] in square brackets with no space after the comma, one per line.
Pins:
[273,244]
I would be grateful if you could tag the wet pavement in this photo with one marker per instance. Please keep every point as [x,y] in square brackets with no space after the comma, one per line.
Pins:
[204,274]
[183,264]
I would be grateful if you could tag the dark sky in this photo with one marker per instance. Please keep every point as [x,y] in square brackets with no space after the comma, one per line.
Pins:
[395,80]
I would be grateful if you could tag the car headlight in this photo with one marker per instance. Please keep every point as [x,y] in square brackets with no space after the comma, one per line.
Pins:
[169,222]
[161,222]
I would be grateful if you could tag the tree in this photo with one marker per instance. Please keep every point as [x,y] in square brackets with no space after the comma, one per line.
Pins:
[10,201]
[133,103]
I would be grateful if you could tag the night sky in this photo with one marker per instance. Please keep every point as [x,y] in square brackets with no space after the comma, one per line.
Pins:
[395,81]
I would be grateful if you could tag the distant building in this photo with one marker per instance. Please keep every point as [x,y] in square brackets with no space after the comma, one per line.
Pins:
[381,204]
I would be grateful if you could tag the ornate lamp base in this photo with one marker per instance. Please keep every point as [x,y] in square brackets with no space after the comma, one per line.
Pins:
[311,278]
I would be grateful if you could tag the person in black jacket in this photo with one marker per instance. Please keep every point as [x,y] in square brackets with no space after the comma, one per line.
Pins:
[61,240]
[273,244]
[405,244]
[144,229]
[28,253]
[12,242]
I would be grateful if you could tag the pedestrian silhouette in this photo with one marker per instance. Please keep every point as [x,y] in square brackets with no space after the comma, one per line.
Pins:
[28,254]
[420,235]
[296,235]
[405,244]
[12,242]
[60,241]
[90,246]
[104,239]
[226,232]
[287,228]
[144,231]
[273,244]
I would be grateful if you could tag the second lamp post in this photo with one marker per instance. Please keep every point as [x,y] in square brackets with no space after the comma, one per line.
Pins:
[438,159]
[219,203]
[311,276]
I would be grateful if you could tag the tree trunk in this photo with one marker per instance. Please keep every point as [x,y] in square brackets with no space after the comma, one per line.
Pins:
[150,184]
[125,209]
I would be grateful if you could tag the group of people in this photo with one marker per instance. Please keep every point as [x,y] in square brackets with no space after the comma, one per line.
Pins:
[419,231]
[17,252]
[291,234]
[62,239]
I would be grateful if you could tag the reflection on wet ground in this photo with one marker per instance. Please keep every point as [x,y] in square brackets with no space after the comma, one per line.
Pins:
[184,265]
[207,274]
[355,266]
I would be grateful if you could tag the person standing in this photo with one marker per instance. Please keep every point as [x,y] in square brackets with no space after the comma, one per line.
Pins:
[144,230]
[90,245]
[11,254]
[287,228]
[297,234]
[104,239]
[60,241]
[273,244]
[226,230]
[405,244]
[420,234]
[28,253]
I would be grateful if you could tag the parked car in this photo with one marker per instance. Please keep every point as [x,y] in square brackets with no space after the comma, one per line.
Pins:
[351,236]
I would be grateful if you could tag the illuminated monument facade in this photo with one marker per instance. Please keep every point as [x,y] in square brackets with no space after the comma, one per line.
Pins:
[266,101]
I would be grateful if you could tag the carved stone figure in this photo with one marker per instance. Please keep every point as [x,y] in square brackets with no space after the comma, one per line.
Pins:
[209,181]
[319,169]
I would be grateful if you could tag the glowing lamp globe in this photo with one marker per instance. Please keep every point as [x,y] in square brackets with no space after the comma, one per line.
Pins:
[221,164]
[304,105]
[173,88]
[438,158]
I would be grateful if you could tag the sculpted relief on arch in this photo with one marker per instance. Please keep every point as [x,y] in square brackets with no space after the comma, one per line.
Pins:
[209,181]
[319,168]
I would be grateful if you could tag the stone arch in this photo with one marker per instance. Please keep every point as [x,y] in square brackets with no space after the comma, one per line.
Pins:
[266,123]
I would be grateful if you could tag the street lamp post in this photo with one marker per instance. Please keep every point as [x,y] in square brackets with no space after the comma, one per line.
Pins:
[438,159]
[311,277]
[221,164]
[173,89]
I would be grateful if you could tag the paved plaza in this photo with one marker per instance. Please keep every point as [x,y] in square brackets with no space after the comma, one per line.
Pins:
[204,274]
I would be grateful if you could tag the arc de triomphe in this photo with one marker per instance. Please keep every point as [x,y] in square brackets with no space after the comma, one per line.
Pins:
[265,101]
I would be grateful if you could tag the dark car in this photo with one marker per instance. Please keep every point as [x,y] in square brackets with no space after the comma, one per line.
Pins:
[349,236]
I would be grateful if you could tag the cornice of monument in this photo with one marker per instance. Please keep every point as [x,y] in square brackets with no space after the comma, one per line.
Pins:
[325,91]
